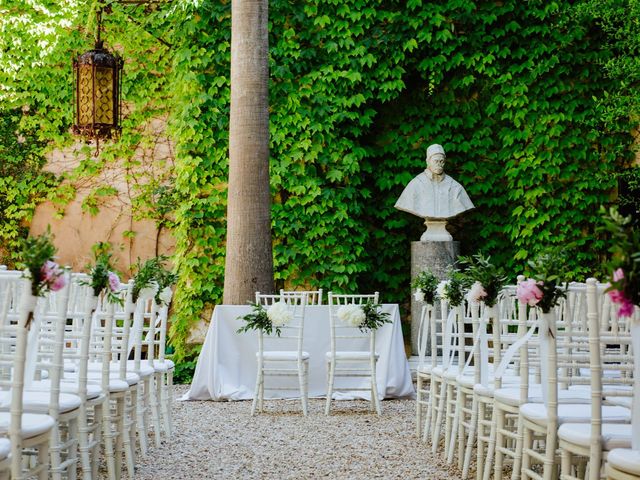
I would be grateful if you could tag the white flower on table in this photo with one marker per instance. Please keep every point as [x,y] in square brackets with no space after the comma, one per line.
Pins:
[279,314]
[419,295]
[351,315]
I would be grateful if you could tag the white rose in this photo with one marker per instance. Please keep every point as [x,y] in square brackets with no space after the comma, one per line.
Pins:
[351,315]
[440,290]
[476,293]
[419,295]
[279,314]
[165,295]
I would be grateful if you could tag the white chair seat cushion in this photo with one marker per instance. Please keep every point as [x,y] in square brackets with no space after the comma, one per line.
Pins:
[115,384]
[39,401]
[283,355]
[145,369]
[346,355]
[93,391]
[164,366]
[33,424]
[5,448]
[424,369]
[511,395]
[614,435]
[574,413]
[625,460]
[467,381]
[132,378]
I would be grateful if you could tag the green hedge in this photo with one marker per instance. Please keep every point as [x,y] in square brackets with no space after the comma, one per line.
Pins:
[524,97]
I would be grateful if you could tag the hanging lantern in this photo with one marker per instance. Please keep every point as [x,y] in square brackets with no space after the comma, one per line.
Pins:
[97,86]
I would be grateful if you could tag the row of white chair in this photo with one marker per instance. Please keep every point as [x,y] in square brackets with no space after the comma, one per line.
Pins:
[78,379]
[516,384]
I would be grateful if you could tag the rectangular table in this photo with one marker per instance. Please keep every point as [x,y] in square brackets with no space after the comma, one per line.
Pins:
[227,367]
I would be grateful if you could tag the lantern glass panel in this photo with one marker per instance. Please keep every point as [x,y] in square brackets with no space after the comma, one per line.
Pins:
[104,96]
[85,95]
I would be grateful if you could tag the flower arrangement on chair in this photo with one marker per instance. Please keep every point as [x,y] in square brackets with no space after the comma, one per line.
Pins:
[485,278]
[625,265]
[453,290]
[45,274]
[543,287]
[426,284]
[268,320]
[153,274]
[37,257]
[103,278]
[368,316]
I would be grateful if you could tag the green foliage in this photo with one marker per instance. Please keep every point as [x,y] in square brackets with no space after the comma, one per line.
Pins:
[533,102]
[374,317]
[186,366]
[477,268]
[456,287]
[427,282]
[629,193]
[23,184]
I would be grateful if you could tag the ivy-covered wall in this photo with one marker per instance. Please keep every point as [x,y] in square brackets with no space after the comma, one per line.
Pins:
[522,95]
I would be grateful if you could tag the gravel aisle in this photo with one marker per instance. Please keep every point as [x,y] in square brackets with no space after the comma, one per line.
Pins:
[222,440]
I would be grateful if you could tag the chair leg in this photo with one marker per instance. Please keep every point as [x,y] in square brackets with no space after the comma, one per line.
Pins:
[168,404]
[154,399]
[83,437]
[301,381]
[54,452]
[440,412]
[418,405]
[256,392]
[500,417]
[72,469]
[107,435]
[96,441]
[517,458]
[327,407]
[471,437]
[374,392]
[43,460]
[141,414]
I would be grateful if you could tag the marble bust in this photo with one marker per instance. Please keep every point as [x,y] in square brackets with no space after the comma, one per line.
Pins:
[434,196]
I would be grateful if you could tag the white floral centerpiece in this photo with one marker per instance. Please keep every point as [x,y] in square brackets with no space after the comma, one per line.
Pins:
[268,320]
[368,316]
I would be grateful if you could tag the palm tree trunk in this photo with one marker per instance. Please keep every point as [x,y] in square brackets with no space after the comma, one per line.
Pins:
[249,259]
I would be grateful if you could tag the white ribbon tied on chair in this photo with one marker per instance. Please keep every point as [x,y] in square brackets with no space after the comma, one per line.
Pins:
[481,342]
[423,332]
[449,331]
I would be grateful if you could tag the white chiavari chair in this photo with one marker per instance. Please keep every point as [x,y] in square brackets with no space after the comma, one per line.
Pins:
[539,422]
[29,433]
[424,368]
[345,341]
[584,446]
[163,366]
[314,297]
[282,355]
[144,319]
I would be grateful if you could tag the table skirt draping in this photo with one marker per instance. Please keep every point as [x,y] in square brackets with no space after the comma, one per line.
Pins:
[227,367]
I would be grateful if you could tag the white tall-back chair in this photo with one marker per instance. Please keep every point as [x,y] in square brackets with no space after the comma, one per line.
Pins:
[351,347]
[282,355]
[26,431]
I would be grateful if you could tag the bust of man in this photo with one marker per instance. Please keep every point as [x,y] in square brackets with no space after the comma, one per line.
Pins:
[434,195]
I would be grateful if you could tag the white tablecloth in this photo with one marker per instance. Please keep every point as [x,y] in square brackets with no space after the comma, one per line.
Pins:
[226,368]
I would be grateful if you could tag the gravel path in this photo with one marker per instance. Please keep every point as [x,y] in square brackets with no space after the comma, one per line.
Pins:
[222,440]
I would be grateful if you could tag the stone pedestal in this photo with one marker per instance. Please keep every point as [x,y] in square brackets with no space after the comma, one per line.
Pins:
[434,256]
